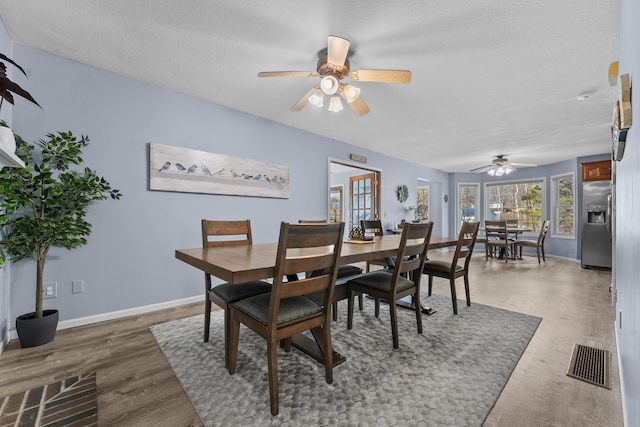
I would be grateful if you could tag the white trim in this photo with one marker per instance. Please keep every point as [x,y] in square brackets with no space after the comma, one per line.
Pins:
[103,317]
[620,375]
[478,208]
[553,201]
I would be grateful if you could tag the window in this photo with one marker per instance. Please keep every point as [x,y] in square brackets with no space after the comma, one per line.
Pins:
[422,205]
[468,202]
[516,202]
[563,206]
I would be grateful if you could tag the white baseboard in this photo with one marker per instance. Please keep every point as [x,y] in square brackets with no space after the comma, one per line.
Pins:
[621,376]
[88,320]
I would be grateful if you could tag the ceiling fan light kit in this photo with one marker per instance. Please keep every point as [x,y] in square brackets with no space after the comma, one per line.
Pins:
[332,68]
[335,105]
[329,85]
[317,99]
[351,93]
[499,170]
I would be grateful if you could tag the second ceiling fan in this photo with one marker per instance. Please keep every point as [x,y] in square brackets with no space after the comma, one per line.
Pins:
[332,68]
[500,165]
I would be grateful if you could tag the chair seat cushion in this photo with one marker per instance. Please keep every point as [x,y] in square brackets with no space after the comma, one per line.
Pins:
[381,280]
[293,308]
[343,271]
[348,270]
[526,242]
[438,266]
[229,293]
[500,242]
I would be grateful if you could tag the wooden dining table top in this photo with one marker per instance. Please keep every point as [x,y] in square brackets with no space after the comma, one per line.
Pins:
[239,264]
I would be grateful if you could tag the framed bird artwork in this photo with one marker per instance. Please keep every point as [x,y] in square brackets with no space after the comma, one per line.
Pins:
[193,171]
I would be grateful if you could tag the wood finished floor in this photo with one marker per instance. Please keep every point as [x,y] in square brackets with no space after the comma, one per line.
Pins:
[136,386]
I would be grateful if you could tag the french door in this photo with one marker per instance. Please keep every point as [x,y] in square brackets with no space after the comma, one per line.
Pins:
[363,191]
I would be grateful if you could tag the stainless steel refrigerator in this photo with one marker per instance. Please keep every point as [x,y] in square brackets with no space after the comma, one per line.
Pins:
[596,225]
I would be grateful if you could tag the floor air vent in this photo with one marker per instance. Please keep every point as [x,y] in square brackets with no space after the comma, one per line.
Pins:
[591,365]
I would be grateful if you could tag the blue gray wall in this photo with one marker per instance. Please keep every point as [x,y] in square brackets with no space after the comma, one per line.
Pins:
[627,234]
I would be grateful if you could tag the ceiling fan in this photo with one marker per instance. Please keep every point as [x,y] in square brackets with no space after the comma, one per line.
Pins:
[332,68]
[501,166]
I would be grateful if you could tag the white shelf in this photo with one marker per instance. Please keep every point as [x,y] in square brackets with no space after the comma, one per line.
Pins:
[9,159]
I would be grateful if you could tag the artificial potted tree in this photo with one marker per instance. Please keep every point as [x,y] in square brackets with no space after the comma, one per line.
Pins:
[44,204]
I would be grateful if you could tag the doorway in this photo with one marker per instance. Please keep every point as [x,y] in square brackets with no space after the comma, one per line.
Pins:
[354,193]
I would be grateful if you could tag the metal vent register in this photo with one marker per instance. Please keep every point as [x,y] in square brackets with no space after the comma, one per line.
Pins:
[591,365]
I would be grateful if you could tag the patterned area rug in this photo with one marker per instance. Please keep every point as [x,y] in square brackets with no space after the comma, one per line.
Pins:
[451,375]
[70,402]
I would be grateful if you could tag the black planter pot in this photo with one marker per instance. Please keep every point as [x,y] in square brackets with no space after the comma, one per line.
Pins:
[33,331]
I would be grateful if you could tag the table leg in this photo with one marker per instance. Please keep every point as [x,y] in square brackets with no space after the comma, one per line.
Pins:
[407,302]
[311,348]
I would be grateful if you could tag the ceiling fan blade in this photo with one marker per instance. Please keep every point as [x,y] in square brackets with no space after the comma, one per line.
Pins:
[304,100]
[384,76]
[357,105]
[287,74]
[337,49]
[522,165]
[482,169]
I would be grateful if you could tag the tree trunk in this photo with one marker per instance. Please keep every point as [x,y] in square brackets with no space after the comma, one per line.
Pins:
[39,286]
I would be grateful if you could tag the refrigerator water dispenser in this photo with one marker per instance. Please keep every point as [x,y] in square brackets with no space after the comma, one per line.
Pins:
[597,214]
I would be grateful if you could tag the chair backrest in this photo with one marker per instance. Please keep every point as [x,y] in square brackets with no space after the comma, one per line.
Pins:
[373,226]
[466,242]
[512,223]
[496,230]
[226,233]
[543,232]
[412,252]
[312,221]
[302,248]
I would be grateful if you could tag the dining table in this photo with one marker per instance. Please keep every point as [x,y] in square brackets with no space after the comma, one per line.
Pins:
[239,264]
[515,231]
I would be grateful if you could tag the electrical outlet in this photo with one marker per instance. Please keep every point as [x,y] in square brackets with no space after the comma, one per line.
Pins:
[50,290]
[77,286]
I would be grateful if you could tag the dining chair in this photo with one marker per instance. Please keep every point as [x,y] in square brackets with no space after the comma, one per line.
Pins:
[538,243]
[374,227]
[344,271]
[497,236]
[227,233]
[287,310]
[391,284]
[451,269]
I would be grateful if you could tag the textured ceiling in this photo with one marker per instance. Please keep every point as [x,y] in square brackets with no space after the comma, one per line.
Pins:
[489,76]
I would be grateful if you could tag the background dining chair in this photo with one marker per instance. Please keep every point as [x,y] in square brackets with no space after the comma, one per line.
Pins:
[389,284]
[344,271]
[227,233]
[538,244]
[498,238]
[451,269]
[287,311]
[374,227]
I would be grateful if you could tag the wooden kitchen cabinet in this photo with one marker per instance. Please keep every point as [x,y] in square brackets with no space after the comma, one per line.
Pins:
[596,171]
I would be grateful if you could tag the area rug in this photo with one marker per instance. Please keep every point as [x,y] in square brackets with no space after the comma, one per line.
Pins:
[451,375]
